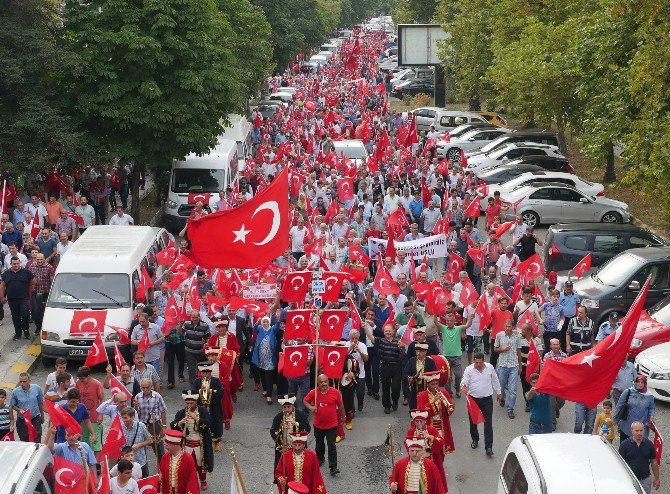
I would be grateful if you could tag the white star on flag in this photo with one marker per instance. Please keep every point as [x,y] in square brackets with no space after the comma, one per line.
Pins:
[588,359]
[241,234]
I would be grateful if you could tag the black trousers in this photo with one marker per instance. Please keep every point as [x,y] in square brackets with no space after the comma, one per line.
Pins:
[486,406]
[173,350]
[525,385]
[37,302]
[391,378]
[355,390]
[20,309]
[493,360]
[372,370]
[22,430]
[320,448]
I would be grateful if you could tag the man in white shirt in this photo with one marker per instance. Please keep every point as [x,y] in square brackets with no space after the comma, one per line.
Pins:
[121,218]
[391,200]
[14,252]
[518,230]
[298,234]
[339,228]
[479,382]
[34,207]
[401,266]
[507,267]
[86,211]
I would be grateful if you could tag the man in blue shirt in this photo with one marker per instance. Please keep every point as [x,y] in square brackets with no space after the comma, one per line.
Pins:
[608,327]
[25,397]
[11,235]
[72,450]
[569,300]
[540,409]
[415,209]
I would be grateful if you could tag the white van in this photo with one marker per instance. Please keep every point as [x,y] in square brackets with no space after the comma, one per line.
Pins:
[561,463]
[446,120]
[196,175]
[354,149]
[320,59]
[240,132]
[26,468]
[94,288]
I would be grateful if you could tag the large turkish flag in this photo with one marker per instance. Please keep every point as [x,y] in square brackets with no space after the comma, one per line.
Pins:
[295,286]
[587,377]
[87,322]
[249,236]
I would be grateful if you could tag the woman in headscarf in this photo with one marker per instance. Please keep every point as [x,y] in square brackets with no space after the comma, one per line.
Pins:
[640,407]
[264,355]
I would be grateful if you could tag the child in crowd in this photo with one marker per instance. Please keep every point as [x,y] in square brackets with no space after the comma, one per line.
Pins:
[61,366]
[6,417]
[127,454]
[604,425]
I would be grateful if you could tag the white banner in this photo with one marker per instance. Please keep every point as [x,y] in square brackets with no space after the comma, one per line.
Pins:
[434,247]
[261,291]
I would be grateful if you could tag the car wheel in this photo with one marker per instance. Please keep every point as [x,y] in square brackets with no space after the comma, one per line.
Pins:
[454,154]
[612,217]
[531,218]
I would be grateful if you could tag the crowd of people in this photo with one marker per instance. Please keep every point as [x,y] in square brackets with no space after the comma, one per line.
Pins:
[417,347]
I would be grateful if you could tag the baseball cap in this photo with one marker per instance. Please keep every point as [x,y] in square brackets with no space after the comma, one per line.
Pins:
[614,316]
[568,283]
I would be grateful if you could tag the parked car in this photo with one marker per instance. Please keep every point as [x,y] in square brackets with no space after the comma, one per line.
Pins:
[282,96]
[493,117]
[565,244]
[411,74]
[561,462]
[654,363]
[614,286]
[413,87]
[652,329]
[468,127]
[540,177]
[539,137]
[510,152]
[269,108]
[552,202]
[474,139]
[390,63]
[354,149]
[447,120]
[503,173]
[425,116]
[549,163]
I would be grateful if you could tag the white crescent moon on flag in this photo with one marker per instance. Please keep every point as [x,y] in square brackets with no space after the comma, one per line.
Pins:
[617,335]
[297,278]
[58,479]
[536,269]
[148,486]
[296,317]
[276,220]
[337,357]
[337,318]
[91,320]
[381,282]
[331,278]
[95,351]
[295,362]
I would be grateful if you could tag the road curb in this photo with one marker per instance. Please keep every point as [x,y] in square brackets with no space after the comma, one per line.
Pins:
[25,362]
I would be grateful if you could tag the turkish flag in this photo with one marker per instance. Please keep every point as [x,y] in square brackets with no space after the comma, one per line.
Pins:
[114,441]
[177,279]
[503,228]
[77,219]
[166,256]
[482,189]
[32,432]
[194,295]
[118,358]
[182,263]
[437,304]
[97,353]
[396,222]
[8,437]
[412,137]
[214,304]
[527,317]
[68,476]
[202,197]
[296,180]
[408,335]
[380,88]
[464,159]
[582,266]
[332,360]
[533,360]
[144,342]
[295,360]
[35,226]
[439,227]
[333,282]
[144,284]
[456,264]
[483,311]
[473,210]
[117,386]
[105,485]
[296,285]
[236,284]
[356,320]
[257,308]
[315,248]
[173,315]
[332,324]
[516,203]
[297,324]
[60,417]
[249,236]
[384,283]
[390,247]
[531,267]
[587,377]
[475,413]
[658,442]
[425,193]
[345,189]
[357,254]
[87,322]
[148,485]
[477,256]
[468,294]
[122,332]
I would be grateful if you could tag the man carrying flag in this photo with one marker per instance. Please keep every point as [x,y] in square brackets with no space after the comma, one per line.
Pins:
[74,451]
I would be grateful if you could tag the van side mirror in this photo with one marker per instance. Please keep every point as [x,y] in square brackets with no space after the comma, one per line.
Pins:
[634,285]
[584,200]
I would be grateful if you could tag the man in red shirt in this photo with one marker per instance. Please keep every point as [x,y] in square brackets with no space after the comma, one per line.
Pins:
[498,317]
[92,394]
[325,403]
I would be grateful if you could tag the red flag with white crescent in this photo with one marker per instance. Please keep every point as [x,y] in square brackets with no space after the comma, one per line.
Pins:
[97,353]
[297,324]
[144,342]
[333,359]
[68,476]
[333,281]
[583,265]
[296,285]
[476,415]
[116,386]
[295,360]
[118,358]
[384,283]
[148,485]
[533,360]
[87,322]
[32,432]
[332,324]
[345,189]
[114,441]
[202,197]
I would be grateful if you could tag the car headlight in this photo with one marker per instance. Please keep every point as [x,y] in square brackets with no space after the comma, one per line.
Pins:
[50,336]
[171,204]
[113,337]
[636,343]
[661,376]
[590,304]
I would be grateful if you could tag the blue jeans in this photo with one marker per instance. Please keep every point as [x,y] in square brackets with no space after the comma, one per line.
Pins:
[536,428]
[508,377]
[585,417]
[302,384]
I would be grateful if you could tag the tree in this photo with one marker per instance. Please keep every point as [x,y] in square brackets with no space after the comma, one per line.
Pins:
[415,11]
[157,77]
[38,126]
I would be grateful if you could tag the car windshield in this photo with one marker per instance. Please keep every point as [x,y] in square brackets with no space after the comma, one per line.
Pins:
[618,270]
[492,145]
[197,180]
[351,152]
[90,291]
[661,311]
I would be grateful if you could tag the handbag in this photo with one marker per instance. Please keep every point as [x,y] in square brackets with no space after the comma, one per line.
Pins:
[623,411]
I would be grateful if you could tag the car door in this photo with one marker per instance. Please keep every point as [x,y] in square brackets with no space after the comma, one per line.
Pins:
[571,207]
[606,246]
[636,241]
[545,203]
[659,287]
[424,118]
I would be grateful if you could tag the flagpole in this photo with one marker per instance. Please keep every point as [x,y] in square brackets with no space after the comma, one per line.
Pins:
[236,466]
[317,324]
[4,193]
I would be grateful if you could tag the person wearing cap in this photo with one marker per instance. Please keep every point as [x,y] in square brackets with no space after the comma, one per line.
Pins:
[177,469]
[299,464]
[414,370]
[224,339]
[608,327]
[569,300]
[415,474]
[440,405]
[352,383]
[419,429]
[74,450]
[210,394]
[196,425]
[222,371]
[288,421]
[297,488]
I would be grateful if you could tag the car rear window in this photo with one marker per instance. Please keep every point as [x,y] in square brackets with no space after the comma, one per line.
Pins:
[577,242]
[610,244]
[513,476]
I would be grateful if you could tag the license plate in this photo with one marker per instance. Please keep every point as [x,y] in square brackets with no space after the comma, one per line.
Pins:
[77,352]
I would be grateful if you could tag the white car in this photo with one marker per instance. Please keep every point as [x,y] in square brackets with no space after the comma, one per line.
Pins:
[654,363]
[510,152]
[354,149]
[470,141]
[538,177]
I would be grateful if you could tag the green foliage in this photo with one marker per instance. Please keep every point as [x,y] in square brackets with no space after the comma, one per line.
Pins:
[415,11]
[38,125]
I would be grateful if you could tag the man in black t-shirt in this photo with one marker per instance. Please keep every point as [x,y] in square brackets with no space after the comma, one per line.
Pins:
[639,453]
[15,289]
[527,244]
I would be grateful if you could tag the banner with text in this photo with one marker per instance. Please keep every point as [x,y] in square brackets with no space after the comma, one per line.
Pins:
[262,291]
[434,247]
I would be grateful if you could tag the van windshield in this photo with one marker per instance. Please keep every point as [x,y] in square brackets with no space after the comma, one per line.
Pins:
[618,270]
[197,180]
[90,290]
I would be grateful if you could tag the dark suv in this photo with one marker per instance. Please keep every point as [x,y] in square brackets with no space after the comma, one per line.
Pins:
[566,244]
[614,286]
